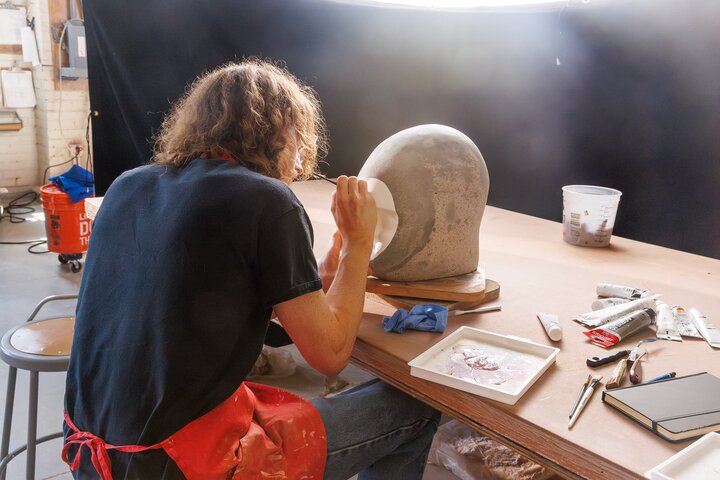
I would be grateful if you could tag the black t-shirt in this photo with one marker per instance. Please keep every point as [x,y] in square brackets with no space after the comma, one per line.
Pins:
[183,268]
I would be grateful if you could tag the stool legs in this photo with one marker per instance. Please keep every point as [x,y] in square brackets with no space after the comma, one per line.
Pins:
[32,439]
[32,425]
[7,423]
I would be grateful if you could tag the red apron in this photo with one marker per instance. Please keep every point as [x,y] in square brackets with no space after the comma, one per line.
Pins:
[260,432]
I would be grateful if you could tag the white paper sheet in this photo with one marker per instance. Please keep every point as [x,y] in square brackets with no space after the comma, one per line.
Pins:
[29,46]
[17,89]
[11,21]
[387,218]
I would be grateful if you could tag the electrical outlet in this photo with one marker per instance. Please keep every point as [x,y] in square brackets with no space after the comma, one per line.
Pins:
[75,148]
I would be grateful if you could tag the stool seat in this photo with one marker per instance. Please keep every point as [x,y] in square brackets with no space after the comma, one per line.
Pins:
[36,346]
[51,337]
[40,345]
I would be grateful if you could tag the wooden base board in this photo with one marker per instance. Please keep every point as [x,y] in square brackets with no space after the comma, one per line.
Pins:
[469,287]
[491,292]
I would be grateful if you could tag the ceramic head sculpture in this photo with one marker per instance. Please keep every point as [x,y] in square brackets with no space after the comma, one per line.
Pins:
[431,188]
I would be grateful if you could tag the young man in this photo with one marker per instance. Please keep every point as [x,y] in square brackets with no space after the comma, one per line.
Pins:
[189,256]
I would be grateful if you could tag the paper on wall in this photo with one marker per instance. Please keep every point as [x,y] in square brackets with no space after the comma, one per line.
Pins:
[29,46]
[17,89]
[11,21]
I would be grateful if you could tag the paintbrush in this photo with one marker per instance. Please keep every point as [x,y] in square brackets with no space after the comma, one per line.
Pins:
[582,390]
[584,400]
[490,308]
[320,176]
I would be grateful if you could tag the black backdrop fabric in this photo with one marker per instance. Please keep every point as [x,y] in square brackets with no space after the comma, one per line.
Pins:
[620,94]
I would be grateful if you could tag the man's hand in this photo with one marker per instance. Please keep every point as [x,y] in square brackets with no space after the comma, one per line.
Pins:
[355,213]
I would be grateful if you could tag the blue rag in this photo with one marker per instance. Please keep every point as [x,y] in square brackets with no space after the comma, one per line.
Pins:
[425,317]
[76,182]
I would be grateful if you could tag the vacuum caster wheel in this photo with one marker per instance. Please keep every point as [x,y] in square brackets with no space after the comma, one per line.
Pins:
[62,259]
[75,266]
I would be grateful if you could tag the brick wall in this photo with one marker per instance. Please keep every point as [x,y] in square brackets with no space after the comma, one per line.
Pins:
[60,117]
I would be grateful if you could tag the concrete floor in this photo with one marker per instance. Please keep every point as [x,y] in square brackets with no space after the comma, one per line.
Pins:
[25,279]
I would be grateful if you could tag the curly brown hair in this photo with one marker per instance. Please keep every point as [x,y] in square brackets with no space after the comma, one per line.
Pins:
[244,110]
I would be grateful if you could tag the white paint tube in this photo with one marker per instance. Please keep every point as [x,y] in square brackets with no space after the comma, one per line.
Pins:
[621,291]
[608,302]
[665,321]
[551,324]
[622,328]
[684,323]
[707,329]
[606,315]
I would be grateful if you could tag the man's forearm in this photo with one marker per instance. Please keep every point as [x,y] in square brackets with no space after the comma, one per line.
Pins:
[346,295]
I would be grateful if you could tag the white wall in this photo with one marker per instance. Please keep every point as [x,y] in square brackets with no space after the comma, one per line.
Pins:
[59,118]
[18,152]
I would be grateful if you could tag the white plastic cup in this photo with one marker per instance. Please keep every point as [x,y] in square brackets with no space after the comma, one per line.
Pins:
[589,214]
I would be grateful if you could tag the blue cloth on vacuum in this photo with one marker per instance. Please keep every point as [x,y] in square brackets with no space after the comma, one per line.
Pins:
[76,182]
[426,317]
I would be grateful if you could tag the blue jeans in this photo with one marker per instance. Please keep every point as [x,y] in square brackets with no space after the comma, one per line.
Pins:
[377,431]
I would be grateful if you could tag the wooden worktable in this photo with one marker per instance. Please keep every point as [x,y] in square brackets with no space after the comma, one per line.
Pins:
[537,271]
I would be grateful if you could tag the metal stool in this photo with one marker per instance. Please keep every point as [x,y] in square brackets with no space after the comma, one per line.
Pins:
[36,346]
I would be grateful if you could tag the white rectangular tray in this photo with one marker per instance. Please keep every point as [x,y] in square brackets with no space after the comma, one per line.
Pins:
[92,205]
[699,461]
[536,358]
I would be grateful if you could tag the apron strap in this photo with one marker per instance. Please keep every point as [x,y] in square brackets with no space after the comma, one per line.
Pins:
[98,450]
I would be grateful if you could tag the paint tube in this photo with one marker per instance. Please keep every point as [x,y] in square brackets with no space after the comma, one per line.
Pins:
[684,323]
[707,329]
[621,291]
[608,302]
[551,324]
[665,321]
[606,315]
[622,328]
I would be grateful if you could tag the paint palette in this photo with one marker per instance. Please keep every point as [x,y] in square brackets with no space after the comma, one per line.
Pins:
[699,461]
[499,367]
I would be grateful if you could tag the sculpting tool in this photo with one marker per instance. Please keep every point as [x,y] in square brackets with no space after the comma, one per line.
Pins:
[633,360]
[491,308]
[597,361]
[634,352]
[617,375]
[584,400]
[635,370]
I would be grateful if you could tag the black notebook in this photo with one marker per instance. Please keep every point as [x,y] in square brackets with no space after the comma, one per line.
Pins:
[676,409]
